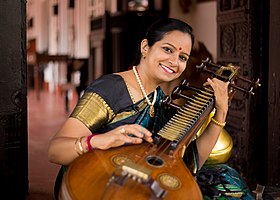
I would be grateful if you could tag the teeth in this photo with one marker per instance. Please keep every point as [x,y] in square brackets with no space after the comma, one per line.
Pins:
[167,69]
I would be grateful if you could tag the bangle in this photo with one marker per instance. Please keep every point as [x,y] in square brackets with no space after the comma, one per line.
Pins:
[220,124]
[80,145]
[78,152]
[89,147]
[81,150]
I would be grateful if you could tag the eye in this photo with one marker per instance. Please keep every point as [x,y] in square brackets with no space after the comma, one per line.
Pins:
[183,58]
[167,49]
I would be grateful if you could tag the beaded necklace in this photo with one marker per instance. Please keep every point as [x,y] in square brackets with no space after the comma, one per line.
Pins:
[151,104]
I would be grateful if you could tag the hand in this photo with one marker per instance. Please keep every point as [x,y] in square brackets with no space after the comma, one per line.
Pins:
[126,134]
[221,94]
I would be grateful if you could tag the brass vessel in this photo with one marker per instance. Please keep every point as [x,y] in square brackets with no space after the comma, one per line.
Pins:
[223,148]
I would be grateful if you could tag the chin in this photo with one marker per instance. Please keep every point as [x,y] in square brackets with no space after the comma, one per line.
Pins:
[169,78]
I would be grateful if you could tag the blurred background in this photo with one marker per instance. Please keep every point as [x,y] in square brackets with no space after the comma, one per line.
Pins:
[52,49]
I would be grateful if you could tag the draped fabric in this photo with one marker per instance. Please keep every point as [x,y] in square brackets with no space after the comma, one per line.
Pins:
[221,182]
[107,104]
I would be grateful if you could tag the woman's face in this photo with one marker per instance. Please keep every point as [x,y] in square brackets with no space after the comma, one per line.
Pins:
[167,58]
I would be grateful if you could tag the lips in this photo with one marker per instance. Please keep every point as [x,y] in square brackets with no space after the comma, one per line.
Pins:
[167,69]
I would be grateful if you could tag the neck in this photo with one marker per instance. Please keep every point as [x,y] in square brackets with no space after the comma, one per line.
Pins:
[148,83]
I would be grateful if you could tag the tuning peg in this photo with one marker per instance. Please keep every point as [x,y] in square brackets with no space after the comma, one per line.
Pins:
[177,93]
[250,91]
[203,67]
[257,83]
[167,103]
[184,85]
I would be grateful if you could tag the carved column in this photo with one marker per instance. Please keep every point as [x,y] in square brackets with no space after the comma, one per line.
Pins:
[241,38]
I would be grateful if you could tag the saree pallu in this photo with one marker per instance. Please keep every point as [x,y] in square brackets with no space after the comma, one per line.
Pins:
[107,104]
[221,182]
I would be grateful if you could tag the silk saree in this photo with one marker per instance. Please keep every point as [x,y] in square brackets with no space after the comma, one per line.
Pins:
[107,104]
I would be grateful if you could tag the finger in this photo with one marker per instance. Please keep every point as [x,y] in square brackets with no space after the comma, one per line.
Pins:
[218,85]
[211,83]
[133,140]
[147,134]
[130,130]
[125,137]
[136,130]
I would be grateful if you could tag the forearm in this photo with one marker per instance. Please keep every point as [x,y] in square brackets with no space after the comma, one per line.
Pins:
[63,150]
[64,146]
[206,142]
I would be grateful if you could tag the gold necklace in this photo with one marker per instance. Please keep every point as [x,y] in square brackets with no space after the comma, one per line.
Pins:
[151,104]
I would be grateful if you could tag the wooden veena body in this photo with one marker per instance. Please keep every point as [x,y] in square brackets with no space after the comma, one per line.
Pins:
[148,171]
[91,177]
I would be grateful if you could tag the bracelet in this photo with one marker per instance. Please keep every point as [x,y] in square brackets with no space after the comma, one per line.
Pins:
[81,150]
[80,145]
[89,147]
[78,152]
[220,124]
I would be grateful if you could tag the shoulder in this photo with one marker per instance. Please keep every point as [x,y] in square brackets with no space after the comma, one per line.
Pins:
[106,84]
[104,81]
[111,88]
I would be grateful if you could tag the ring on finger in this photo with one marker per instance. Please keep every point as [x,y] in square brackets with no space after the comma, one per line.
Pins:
[122,131]
[142,131]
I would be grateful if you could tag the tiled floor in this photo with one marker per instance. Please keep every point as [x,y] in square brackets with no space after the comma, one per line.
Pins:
[45,117]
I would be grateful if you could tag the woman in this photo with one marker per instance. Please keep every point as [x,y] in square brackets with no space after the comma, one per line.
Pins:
[124,107]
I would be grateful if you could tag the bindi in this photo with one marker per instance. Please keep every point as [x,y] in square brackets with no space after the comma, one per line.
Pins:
[180,48]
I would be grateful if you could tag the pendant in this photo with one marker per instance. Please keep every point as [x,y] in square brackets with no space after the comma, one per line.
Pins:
[152,111]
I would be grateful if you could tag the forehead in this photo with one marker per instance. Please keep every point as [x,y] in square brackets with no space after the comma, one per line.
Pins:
[178,39]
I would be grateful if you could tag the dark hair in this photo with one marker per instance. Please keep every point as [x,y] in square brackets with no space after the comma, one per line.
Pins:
[162,26]
[158,29]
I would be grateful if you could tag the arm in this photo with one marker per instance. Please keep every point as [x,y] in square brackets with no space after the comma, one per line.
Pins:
[206,142]
[64,146]
[90,114]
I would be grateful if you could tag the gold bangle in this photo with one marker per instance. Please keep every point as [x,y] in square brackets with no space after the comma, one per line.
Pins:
[81,150]
[220,124]
[80,145]
[76,147]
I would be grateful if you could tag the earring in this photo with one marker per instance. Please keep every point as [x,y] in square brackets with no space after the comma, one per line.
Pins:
[143,56]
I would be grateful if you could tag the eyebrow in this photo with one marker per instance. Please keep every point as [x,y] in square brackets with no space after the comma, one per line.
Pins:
[176,48]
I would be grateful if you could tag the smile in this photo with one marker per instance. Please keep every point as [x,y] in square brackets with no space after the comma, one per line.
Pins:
[167,69]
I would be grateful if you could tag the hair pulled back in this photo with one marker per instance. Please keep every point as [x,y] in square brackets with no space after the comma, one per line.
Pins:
[161,27]
[158,29]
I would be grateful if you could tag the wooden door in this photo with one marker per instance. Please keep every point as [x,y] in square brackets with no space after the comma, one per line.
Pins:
[13,100]
[248,35]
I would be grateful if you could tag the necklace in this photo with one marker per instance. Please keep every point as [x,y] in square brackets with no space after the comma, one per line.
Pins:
[151,104]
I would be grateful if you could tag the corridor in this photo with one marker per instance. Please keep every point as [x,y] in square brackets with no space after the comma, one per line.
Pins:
[45,117]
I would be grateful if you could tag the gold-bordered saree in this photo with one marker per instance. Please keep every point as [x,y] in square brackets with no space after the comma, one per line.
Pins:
[107,104]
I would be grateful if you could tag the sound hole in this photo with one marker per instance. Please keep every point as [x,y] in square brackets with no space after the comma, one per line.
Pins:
[155,161]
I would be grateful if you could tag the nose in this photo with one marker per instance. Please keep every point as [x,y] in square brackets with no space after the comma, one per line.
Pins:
[174,59]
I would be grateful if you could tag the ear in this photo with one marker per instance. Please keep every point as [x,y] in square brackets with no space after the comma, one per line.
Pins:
[144,47]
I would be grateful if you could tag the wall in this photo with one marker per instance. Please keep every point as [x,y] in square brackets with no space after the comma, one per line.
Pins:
[44,30]
[54,33]
[202,17]
[39,30]
[82,31]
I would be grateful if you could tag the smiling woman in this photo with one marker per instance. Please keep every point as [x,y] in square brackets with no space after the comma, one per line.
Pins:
[122,112]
